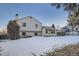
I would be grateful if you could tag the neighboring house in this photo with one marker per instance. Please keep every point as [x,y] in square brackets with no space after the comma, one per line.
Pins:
[76,29]
[72,28]
[48,31]
[69,30]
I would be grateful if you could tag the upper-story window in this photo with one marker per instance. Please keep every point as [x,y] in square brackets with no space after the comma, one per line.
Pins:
[24,24]
[36,25]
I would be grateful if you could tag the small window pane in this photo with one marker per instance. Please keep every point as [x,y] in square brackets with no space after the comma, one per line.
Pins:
[23,33]
[36,25]
[24,24]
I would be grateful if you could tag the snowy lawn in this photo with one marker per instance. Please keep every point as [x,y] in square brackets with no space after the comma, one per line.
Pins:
[37,45]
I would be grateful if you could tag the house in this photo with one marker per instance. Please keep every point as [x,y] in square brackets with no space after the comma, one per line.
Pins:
[29,26]
[70,30]
[48,31]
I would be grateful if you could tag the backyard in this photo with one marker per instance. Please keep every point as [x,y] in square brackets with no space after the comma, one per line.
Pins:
[37,45]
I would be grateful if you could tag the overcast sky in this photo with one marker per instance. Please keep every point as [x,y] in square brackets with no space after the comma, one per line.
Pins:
[44,13]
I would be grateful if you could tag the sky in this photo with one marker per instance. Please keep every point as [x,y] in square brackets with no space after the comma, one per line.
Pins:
[43,12]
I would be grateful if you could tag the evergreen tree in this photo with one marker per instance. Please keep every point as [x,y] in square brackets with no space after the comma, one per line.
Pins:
[53,26]
[13,30]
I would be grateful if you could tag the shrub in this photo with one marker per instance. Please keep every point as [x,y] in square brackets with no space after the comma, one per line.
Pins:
[3,36]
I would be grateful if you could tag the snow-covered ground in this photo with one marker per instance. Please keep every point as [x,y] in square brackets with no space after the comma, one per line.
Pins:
[37,45]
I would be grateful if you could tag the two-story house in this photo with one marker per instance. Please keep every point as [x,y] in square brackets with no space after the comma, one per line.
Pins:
[29,26]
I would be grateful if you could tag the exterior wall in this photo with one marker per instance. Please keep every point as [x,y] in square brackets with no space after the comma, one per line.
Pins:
[30,24]
[43,32]
[30,28]
[31,34]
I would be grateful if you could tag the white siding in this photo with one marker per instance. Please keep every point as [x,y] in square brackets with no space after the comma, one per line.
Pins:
[43,32]
[30,25]
[31,33]
[30,28]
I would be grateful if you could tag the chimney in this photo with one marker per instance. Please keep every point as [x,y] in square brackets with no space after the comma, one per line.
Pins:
[16,17]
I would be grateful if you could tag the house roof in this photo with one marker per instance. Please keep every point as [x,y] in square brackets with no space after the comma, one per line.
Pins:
[47,27]
[30,18]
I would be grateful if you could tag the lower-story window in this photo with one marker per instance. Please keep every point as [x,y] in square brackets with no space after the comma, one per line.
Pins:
[23,33]
[52,31]
[46,31]
[36,34]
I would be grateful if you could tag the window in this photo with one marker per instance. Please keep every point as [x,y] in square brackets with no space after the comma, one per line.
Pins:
[23,33]
[77,29]
[36,34]
[36,25]
[24,24]
[52,31]
[46,31]
[49,29]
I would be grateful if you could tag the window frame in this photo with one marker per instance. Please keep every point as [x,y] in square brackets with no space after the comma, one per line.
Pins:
[24,24]
[23,33]
[36,25]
